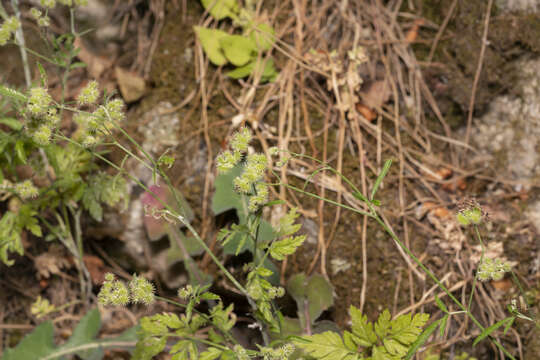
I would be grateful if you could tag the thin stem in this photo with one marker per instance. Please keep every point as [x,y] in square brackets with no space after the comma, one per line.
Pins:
[439,284]
[481,260]
[19,36]
[167,207]
[292,187]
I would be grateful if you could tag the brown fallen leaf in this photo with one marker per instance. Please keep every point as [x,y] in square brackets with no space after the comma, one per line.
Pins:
[95,65]
[444,173]
[441,212]
[366,112]
[96,268]
[132,86]
[412,34]
[376,94]
[502,285]
[51,262]
[452,186]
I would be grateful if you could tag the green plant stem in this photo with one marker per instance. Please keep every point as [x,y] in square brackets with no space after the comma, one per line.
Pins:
[3,12]
[94,345]
[204,316]
[171,210]
[439,284]
[479,238]
[19,36]
[374,215]
[292,187]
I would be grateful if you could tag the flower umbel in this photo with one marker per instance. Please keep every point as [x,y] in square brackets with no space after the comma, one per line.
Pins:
[26,190]
[113,292]
[142,291]
[493,269]
[89,94]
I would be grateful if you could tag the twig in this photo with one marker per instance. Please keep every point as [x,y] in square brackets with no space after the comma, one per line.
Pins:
[478,71]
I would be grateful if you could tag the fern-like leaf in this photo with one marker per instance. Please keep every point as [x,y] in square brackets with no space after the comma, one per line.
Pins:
[327,345]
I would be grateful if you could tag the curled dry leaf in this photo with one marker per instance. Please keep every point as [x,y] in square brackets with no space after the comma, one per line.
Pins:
[456,184]
[96,268]
[132,86]
[366,112]
[376,94]
[412,34]
[95,65]
[51,262]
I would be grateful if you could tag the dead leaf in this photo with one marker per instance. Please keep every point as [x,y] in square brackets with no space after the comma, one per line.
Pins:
[95,65]
[132,86]
[376,94]
[454,185]
[51,262]
[444,173]
[366,112]
[96,268]
[502,285]
[412,34]
[441,212]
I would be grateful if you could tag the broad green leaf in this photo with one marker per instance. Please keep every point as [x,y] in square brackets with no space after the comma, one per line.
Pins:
[190,244]
[487,331]
[320,296]
[269,72]
[238,49]
[37,344]
[85,332]
[380,178]
[263,35]
[221,9]
[225,198]
[327,345]
[289,326]
[12,123]
[242,71]
[361,328]
[209,39]
[315,292]
[296,287]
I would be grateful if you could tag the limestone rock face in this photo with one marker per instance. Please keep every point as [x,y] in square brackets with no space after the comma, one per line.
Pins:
[508,134]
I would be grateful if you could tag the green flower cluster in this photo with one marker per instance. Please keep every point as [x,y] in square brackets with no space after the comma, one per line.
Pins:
[41,307]
[255,165]
[50,4]
[41,19]
[280,353]
[93,125]
[493,269]
[9,26]
[42,116]
[89,94]
[26,190]
[470,215]
[115,292]
[228,159]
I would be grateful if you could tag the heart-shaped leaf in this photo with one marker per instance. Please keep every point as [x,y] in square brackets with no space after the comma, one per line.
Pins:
[209,39]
